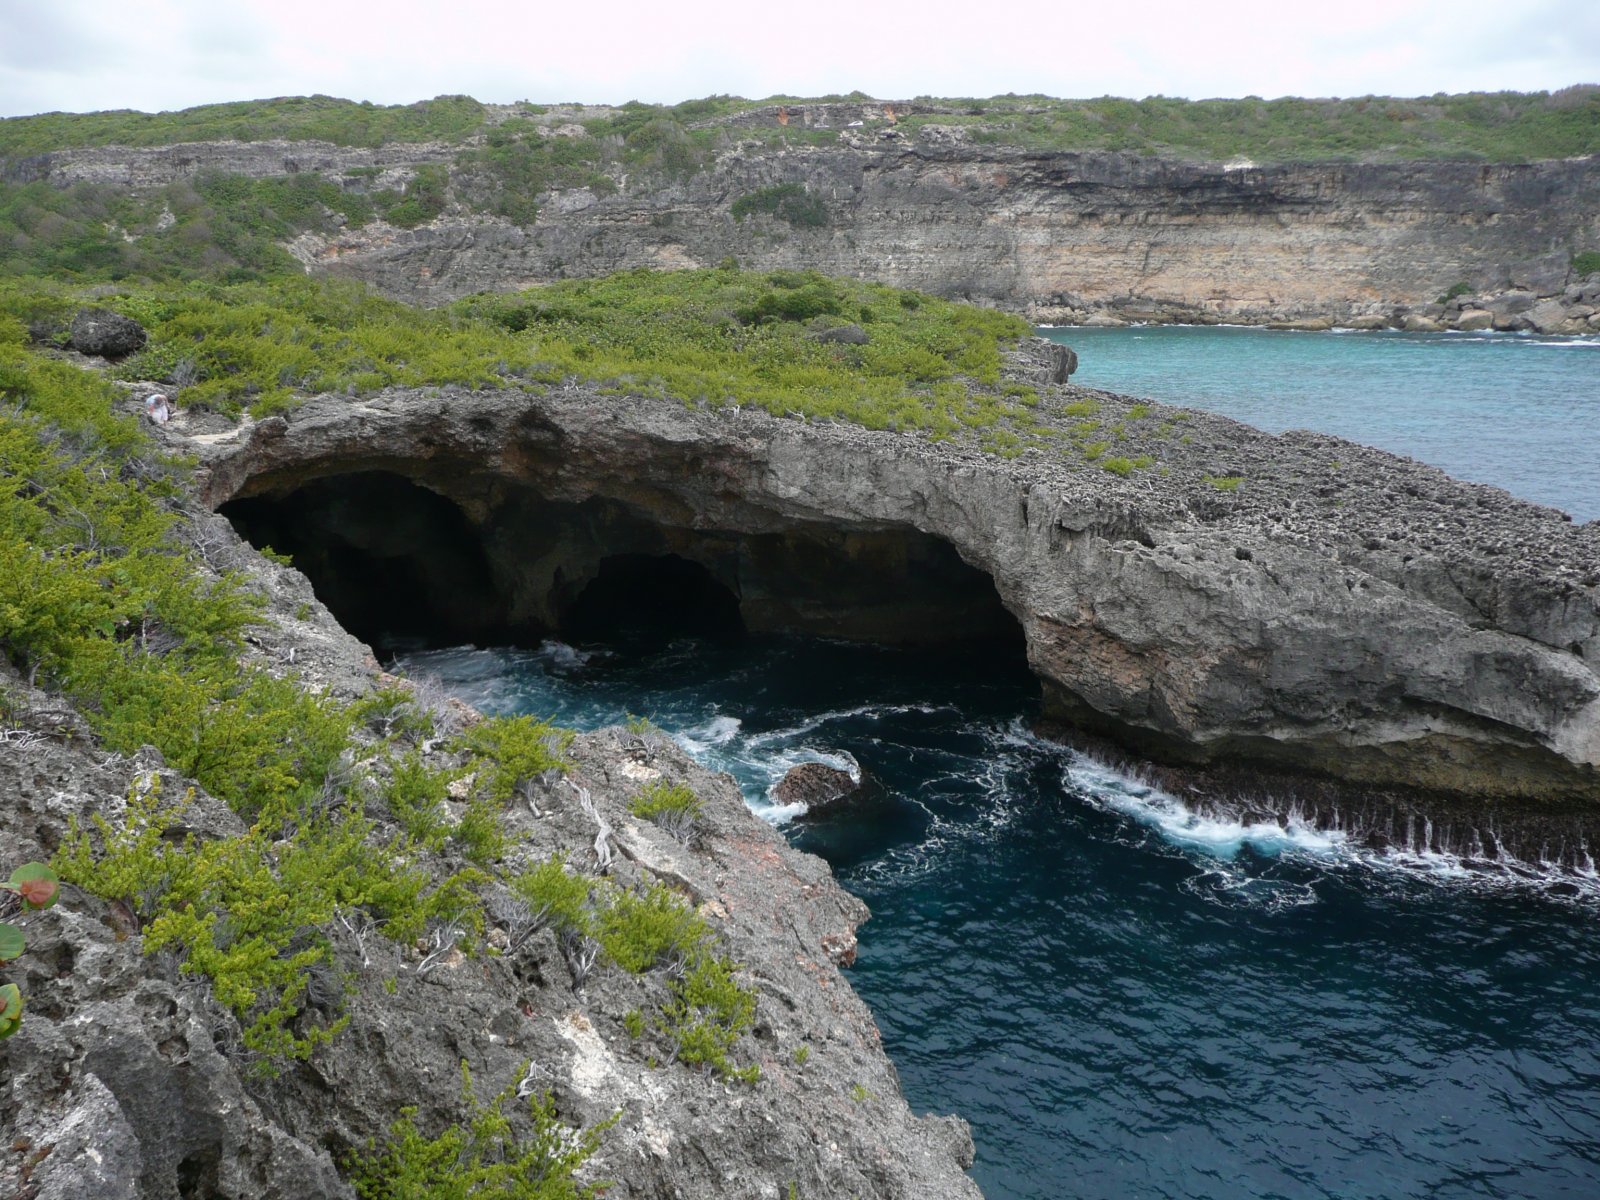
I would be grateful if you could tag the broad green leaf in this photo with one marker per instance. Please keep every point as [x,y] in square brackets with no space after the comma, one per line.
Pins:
[37,884]
[11,941]
[10,1009]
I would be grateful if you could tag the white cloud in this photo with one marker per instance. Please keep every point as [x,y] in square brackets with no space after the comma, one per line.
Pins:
[81,55]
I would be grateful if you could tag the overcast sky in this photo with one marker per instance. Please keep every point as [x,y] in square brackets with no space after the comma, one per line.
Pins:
[84,55]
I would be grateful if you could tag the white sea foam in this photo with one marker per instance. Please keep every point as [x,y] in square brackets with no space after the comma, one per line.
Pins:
[562,657]
[719,731]
[812,724]
[1221,837]
[1219,840]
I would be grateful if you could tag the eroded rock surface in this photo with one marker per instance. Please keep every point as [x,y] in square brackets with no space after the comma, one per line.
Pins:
[1295,601]
[128,1080]
[1068,237]
[814,784]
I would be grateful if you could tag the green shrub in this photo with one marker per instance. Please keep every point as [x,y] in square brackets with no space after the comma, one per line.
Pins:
[425,197]
[814,298]
[478,833]
[246,912]
[789,202]
[554,895]
[1226,483]
[644,929]
[390,712]
[415,795]
[1456,289]
[508,752]
[672,806]
[707,1012]
[488,1156]
[1586,263]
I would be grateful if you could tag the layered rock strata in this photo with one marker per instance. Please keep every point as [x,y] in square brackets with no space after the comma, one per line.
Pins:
[1066,237]
[1289,601]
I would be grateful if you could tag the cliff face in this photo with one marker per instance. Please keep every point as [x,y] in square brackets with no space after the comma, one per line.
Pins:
[1341,611]
[128,1079]
[1059,236]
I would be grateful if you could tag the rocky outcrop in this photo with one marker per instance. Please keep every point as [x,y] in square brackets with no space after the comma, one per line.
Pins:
[814,784]
[128,1079]
[102,332]
[1293,601]
[1066,237]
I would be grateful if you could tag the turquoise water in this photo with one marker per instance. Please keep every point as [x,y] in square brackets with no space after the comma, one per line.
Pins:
[1127,999]
[1517,411]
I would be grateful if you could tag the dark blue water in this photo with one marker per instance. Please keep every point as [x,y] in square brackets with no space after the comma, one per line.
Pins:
[1124,998]
[1518,411]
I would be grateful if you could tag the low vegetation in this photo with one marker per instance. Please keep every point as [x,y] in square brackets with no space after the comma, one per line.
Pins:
[493,1153]
[1502,126]
[1491,126]
[673,807]
[298,118]
[718,338]
[340,815]
[789,202]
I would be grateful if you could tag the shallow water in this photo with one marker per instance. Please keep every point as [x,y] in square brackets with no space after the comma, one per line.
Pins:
[1518,411]
[1125,998]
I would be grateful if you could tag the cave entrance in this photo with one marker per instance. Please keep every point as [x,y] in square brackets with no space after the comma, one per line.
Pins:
[403,565]
[651,599]
[396,563]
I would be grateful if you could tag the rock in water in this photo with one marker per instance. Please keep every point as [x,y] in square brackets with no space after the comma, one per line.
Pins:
[103,332]
[814,784]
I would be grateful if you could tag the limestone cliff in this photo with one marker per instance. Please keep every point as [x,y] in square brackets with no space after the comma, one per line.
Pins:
[1061,236]
[128,1079]
[1293,601]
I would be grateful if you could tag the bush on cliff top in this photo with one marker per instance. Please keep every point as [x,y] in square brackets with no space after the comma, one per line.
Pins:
[299,118]
[717,338]
[1499,126]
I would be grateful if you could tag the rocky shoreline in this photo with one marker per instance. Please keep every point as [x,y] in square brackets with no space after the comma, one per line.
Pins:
[128,1080]
[1208,593]
[1545,307]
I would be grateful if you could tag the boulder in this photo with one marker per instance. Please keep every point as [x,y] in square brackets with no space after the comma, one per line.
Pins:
[1063,362]
[849,335]
[1419,324]
[1548,316]
[103,332]
[1510,304]
[814,784]
[1474,319]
